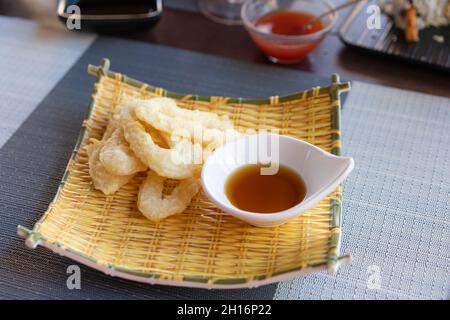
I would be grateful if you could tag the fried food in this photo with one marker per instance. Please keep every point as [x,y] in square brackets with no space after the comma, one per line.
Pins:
[103,180]
[171,142]
[112,126]
[192,125]
[213,138]
[157,137]
[117,157]
[168,107]
[152,204]
[125,112]
[171,163]
[168,124]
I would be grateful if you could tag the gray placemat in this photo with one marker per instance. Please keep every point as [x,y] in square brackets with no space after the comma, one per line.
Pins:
[32,161]
[396,220]
[26,76]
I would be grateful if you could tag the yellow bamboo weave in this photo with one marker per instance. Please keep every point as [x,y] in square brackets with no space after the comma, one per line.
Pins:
[202,243]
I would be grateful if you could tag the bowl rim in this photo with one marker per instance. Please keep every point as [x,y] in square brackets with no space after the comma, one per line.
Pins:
[305,37]
[287,213]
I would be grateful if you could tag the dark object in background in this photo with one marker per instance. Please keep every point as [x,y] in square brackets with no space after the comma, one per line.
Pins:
[112,15]
[432,50]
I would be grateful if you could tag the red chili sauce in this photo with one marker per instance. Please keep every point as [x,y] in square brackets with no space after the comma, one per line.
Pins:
[288,23]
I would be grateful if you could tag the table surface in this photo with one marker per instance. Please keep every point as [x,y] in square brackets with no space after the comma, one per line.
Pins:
[192,31]
[395,199]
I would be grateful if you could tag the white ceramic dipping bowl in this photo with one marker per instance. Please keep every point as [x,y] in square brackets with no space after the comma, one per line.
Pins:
[321,171]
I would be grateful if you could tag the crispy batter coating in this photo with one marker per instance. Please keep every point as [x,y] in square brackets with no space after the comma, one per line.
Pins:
[197,126]
[156,134]
[125,112]
[103,180]
[168,107]
[155,206]
[175,163]
[117,157]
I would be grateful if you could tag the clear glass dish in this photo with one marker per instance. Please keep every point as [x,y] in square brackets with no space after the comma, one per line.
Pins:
[222,11]
[281,48]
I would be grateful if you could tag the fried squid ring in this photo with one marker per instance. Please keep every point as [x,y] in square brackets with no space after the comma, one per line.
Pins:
[175,163]
[153,205]
[117,157]
[168,107]
[103,180]
[192,129]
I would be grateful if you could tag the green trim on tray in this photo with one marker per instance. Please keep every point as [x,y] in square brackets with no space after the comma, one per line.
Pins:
[34,238]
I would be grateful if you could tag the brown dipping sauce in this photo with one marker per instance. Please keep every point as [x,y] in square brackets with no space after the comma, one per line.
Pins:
[248,190]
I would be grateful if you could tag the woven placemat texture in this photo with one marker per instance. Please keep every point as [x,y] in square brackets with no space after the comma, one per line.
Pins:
[32,60]
[396,202]
[396,220]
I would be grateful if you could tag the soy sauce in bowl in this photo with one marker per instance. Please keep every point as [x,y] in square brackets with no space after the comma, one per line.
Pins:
[250,190]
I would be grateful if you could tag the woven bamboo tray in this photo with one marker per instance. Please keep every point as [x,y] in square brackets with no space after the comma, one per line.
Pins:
[203,247]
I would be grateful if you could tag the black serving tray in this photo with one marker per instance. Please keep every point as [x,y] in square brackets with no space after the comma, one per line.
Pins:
[113,15]
[389,41]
